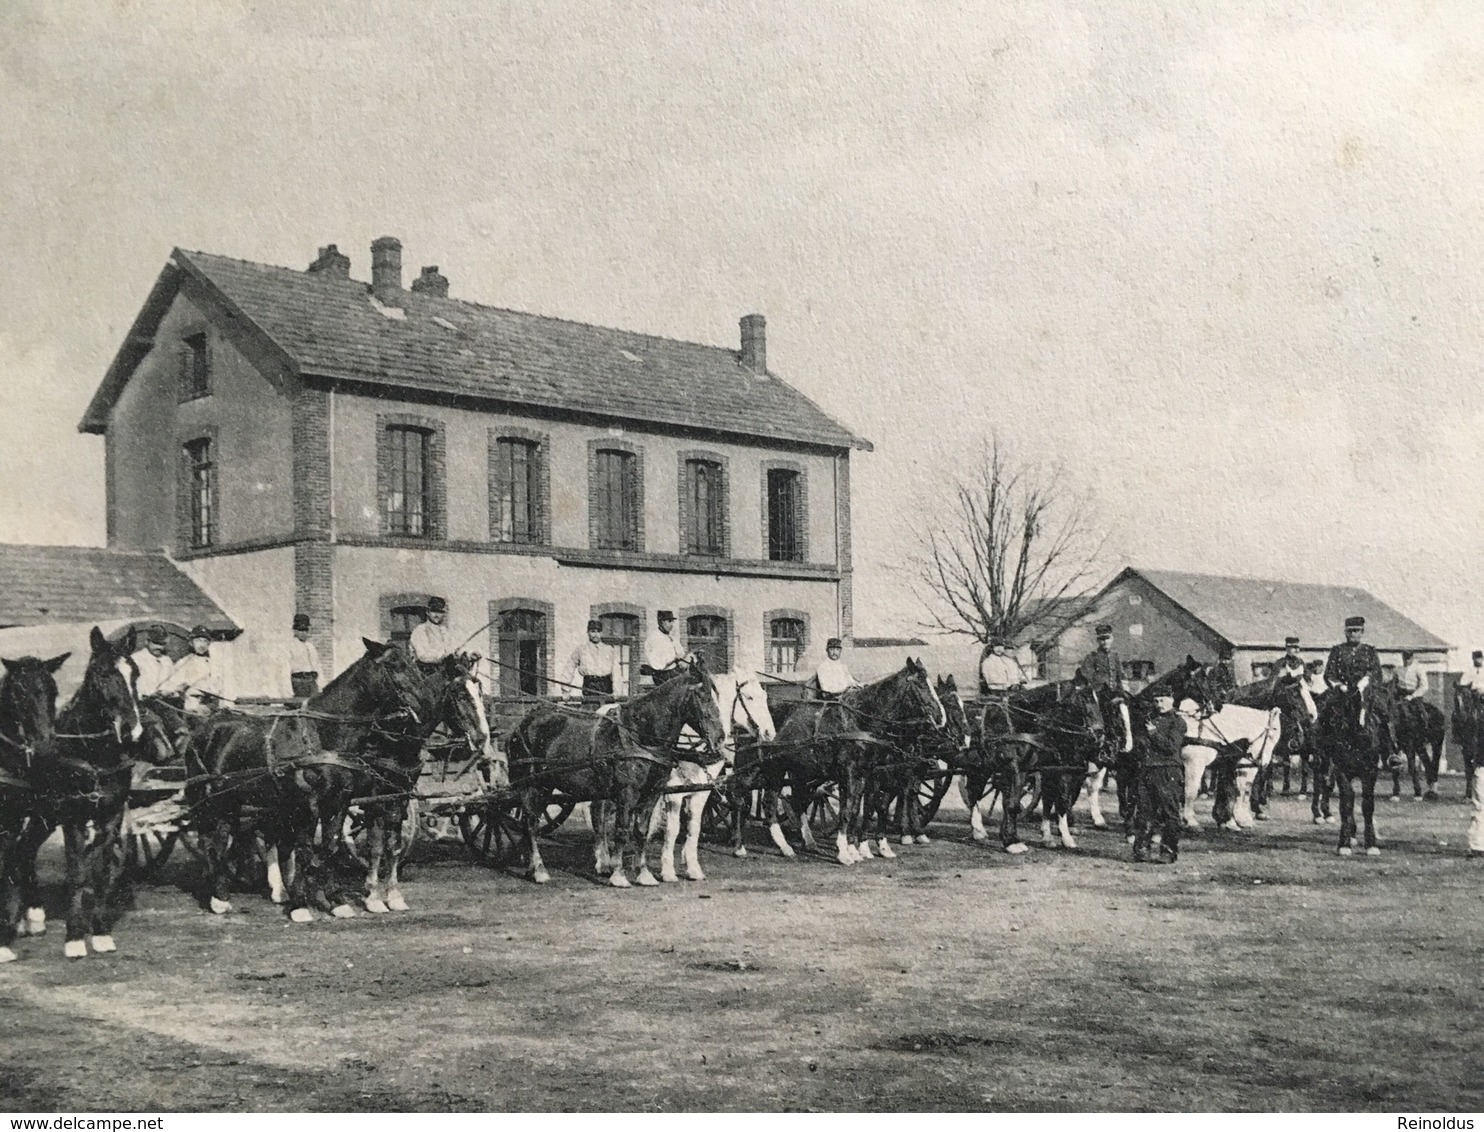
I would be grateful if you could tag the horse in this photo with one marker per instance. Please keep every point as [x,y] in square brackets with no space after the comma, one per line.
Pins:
[1420,734]
[81,782]
[288,778]
[1053,732]
[938,751]
[1245,737]
[1355,736]
[625,757]
[1297,713]
[28,712]
[823,742]
[1468,730]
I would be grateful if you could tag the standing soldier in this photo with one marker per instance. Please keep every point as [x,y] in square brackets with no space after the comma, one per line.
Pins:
[1161,782]
[831,678]
[593,665]
[433,639]
[662,656]
[303,660]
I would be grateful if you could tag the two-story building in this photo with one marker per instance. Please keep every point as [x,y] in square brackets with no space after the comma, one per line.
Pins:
[300,441]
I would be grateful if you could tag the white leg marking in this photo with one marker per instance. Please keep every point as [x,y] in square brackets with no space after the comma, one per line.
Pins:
[671,804]
[376,906]
[7,955]
[343,912]
[842,850]
[103,944]
[1066,833]
[220,907]
[906,839]
[395,900]
[883,846]
[1017,848]
[775,831]
[1045,831]
[695,808]
[75,949]
[924,839]
[646,878]
[618,879]
[301,916]
[276,892]
[863,851]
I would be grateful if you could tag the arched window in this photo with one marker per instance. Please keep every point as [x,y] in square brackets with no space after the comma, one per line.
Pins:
[521,637]
[621,630]
[706,636]
[785,644]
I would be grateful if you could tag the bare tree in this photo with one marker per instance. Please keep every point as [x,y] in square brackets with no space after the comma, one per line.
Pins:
[1013,556]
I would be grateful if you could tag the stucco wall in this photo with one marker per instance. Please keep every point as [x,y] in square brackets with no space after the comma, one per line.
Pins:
[257,591]
[252,448]
[471,581]
[467,440]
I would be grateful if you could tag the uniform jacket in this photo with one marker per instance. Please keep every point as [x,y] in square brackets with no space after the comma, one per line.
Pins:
[1166,739]
[1102,669]
[1349,661]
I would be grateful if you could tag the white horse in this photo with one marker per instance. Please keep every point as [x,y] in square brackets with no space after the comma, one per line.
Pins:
[742,702]
[1232,724]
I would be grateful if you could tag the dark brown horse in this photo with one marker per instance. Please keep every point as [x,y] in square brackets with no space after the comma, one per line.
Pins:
[1420,732]
[1468,731]
[81,783]
[624,757]
[1355,735]
[28,711]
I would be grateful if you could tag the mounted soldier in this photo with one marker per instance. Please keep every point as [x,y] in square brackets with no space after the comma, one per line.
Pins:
[433,639]
[664,659]
[1223,680]
[832,677]
[1102,669]
[1000,671]
[1289,666]
[1355,666]
[197,677]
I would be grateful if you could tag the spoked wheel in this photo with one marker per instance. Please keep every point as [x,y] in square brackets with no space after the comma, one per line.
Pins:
[146,851]
[495,832]
[1029,799]
[823,811]
[931,791]
[721,809]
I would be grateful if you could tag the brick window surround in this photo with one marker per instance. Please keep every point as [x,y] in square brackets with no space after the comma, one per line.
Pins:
[186,534]
[435,523]
[507,678]
[608,609]
[729,640]
[801,510]
[539,532]
[598,519]
[692,542]
[772,615]
[195,365]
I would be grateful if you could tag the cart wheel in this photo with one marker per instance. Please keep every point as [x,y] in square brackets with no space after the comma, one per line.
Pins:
[931,792]
[823,811]
[494,833]
[354,835]
[146,851]
[721,810]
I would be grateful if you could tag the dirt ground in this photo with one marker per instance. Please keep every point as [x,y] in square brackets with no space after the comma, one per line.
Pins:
[1261,972]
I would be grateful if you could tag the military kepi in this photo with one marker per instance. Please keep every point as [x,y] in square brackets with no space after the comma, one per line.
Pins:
[301,622]
[598,625]
[666,615]
[1355,622]
[833,643]
[157,635]
[1290,642]
[1104,631]
[201,631]
[437,605]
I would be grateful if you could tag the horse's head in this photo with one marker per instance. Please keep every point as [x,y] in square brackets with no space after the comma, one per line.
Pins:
[698,708]
[389,675]
[1077,715]
[28,702]
[110,687]
[743,702]
[923,696]
[462,707]
[957,715]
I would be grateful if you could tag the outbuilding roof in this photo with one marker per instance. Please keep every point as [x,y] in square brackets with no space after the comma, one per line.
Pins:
[1259,613]
[330,326]
[45,584]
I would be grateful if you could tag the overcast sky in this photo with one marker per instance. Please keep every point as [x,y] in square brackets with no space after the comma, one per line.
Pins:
[1223,260]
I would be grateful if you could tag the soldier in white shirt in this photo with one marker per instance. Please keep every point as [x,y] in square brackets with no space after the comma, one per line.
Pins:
[593,664]
[1411,680]
[196,676]
[433,639]
[1473,679]
[153,662]
[999,671]
[832,677]
[303,660]
[662,655]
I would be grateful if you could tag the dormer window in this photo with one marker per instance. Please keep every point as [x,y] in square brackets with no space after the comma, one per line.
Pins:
[195,367]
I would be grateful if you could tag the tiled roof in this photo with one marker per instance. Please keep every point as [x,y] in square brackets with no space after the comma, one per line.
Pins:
[1253,612]
[329,326]
[44,584]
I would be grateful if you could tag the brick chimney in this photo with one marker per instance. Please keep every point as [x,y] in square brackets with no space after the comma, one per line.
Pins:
[755,343]
[386,270]
[330,262]
[431,283]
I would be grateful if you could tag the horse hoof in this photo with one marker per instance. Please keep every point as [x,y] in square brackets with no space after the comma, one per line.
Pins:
[344,912]
[376,907]
[1129,839]
[787,850]
[924,839]
[397,902]
[1099,825]
[670,877]
[75,949]
[1416,797]
[301,916]
[863,851]
[220,907]
[740,851]
[906,839]
[35,921]
[1017,849]
[540,876]
[1301,795]
[7,955]
[618,880]
[1231,826]
[884,848]
[1069,844]
[1346,851]
[694,874]
[1318,820]
[845,859]
[979,835]
[1395,798]
[1373,851]
[646,879]
[1329,819]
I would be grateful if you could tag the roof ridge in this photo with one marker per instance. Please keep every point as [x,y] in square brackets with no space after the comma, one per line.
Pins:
[423,296]
[1251,578]
[71,547]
